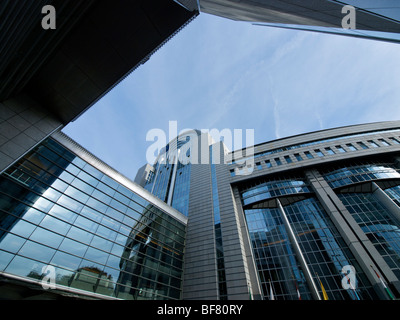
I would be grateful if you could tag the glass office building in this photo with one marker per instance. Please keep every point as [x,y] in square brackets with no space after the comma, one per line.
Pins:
[370,19]
[317,217]
[69,220]
[321,202]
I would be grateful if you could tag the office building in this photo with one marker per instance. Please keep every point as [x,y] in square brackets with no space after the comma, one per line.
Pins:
[311,207]
[50,77]
[73,227]
[372,19]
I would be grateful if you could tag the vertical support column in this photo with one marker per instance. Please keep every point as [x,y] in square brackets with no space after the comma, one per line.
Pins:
[253,283]
[172,184]
[358,243]
[299,254]
[385,200]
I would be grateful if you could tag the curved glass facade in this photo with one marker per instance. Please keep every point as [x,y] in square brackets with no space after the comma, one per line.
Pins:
[275,258]
[59,212]
[271,189]
[378,225]
[355,174]
[321,245]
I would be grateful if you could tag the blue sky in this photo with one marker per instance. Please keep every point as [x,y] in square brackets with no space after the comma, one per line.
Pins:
[218,73]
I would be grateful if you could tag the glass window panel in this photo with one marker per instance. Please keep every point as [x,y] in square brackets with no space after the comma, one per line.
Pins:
[351,147]
[46,237]
[25,267]
[36,251]
[340,148]
[91,214]
[43,204]
[110,223]
[106,189]
[288,159]
[65,260]
[329,151]
[373,144]
[384,142]
[70,203]
[11,243]
[5,259]
[96,255]
[59,185]
[66,177]
[106,233]
[110,182]
[102,197]
[123,199]
[92,171]
[101,243]
[319,153]
[308,154]
[86,224]
[23,228]
[78,162]
[362,145]
[394,140]
[52,194]
[73,247]
[114,214]
[63,214]
[80,235]
[82,186]
[96,204]
[88,178]
[55,225]
[298,157]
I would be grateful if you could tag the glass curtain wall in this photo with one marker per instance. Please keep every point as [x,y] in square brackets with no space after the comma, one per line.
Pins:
[57,210]
[372,216]
[322,247]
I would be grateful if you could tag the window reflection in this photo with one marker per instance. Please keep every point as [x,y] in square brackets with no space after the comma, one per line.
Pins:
[100,236]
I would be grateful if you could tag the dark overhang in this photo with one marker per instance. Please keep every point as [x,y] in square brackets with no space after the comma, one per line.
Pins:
[96,43]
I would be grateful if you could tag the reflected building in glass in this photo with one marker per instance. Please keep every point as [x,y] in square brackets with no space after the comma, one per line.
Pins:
[69,220]
[315,217]
[371,19]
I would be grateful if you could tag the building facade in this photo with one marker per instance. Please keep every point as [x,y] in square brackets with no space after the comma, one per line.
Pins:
[316,217]
[71,226]
[371,19]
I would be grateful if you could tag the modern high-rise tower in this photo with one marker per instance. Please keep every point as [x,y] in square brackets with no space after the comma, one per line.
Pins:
[314,211]
[311,207]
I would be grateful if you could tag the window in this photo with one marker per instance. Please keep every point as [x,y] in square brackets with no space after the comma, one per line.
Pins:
[319,152]
[351,147]
[329,151]
[308,154]
[288,160]
[362,145]
[258,164]
[298,157]
[373,144]
[278,161]
[232,172]
[384,142]
[340,148]
[394,140]
[268,163]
